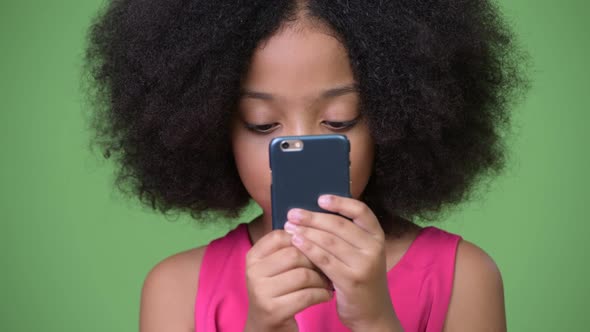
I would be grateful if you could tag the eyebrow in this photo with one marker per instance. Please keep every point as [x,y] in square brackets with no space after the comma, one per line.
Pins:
[330,93]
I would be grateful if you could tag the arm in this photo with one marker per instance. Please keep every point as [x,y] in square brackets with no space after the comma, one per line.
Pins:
[169,292]
[477,301]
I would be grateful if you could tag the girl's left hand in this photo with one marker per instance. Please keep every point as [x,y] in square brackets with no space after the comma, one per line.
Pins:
[352,256]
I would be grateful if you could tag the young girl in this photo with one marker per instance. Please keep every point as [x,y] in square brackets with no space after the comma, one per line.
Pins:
[189,95]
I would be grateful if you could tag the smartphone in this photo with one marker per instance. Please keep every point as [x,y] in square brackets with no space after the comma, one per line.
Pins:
[304,168]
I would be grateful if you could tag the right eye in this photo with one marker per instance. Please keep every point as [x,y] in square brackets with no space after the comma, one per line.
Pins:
[262,128]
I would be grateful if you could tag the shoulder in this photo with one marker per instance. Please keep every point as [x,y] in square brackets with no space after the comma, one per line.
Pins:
[169,292]
[477,299]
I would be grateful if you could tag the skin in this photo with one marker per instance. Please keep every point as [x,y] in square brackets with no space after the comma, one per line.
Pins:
[281,98]
[286,269]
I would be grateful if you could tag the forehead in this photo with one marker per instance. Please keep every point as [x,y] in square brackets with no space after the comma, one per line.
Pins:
[298,63]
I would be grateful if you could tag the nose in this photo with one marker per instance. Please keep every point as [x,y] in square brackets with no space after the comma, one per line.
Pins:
[302,132]
[302,126]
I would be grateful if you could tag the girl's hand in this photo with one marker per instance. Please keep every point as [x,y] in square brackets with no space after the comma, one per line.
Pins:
[352,255]
[281,281]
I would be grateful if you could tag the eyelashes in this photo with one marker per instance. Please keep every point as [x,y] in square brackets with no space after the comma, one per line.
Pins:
[263,128]
[340,125]
[337,126]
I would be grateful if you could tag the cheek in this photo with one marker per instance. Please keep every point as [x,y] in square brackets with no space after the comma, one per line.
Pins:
[253,167]
[361,164]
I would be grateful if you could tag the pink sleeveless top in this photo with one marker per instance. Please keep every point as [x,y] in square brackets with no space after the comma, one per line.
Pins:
[420,285]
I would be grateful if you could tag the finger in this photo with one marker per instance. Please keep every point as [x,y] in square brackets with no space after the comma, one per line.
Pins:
[268,244]
[337,225]
[296,301]
[284,259]
[334,268]
[336,246]
[296,279]
[353,209]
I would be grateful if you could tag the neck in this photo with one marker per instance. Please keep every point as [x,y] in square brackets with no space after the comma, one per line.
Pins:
[259,227]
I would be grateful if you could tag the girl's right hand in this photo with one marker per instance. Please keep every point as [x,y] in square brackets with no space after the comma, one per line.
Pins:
[281,281]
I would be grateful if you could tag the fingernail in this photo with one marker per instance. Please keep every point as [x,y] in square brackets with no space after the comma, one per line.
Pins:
[295,215]
[324,200]
[290,228]
[297,240]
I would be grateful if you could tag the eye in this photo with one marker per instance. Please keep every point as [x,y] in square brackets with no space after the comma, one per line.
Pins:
[340,125]
[262,128]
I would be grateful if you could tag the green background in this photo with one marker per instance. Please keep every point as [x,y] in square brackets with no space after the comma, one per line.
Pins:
[74,252]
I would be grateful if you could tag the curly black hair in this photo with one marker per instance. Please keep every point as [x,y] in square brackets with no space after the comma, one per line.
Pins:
[437,79]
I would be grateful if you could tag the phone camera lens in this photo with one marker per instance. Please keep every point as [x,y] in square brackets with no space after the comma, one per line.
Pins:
[285,145]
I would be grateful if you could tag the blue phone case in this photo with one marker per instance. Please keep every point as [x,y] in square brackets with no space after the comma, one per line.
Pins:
[321,166]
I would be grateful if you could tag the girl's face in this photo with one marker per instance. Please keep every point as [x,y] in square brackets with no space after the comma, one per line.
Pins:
[299,83]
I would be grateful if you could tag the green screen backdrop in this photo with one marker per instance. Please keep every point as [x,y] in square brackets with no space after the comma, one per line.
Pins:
[74,252]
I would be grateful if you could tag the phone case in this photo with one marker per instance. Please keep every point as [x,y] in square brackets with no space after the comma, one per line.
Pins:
[299,177]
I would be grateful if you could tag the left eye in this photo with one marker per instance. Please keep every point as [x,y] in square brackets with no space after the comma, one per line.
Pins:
[340,125]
